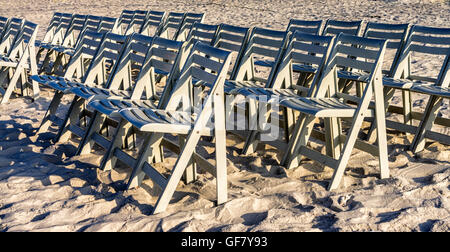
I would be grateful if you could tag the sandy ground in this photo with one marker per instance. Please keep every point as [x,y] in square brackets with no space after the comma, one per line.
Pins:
[43,189]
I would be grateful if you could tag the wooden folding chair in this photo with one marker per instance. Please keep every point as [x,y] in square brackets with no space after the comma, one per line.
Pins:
[188,21]
[205,64]
[438,93]
[164,55]
[153,24]
[306,26]
[334,27]
[308,53]
[91,57]
[19,63]
[434,42]
[328,103]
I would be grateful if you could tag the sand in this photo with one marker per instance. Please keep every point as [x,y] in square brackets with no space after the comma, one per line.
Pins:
[42,188]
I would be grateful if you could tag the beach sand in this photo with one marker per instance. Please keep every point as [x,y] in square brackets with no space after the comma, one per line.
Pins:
[43,188]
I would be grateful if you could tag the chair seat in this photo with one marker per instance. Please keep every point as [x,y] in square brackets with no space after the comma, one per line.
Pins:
[265,63]
[111,107]
[432,90]
[162,121]
[64,49]
[400,83]
[266,94]
[355,76]
[47,46]
[57,82]
[8,62]
[304,68]
[230,85]
[90,93]
[319,107]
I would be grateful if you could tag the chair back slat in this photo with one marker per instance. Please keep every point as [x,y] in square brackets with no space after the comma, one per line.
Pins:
[306,26]
[334,27]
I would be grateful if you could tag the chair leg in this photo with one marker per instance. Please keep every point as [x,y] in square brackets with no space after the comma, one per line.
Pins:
[95,125]
[177,172]
[350,142]
[332,137]
[430,114]
[407,107]
[190,173]
[221,152]
[71,117]
[12,84]
[300,137]
[380,118]
[152,140]
[388,94]
[109,160]
[46,122]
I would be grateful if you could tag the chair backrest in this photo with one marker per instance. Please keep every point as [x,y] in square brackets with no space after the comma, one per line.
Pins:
[263,44]
[309,52]
[104,64]
[132,59]
[61,30]
[75,29]
[207,65]
[202,32]
[3,25]
[188,22]
[306,26]
[13,30]
[108,24]
[53,24]
[83,55]
[395,34]
[334,27]
[233,39]
[361,54]
[92,23]
[137,22]
[26,36]
[165,56]
[124,21]
[153,24]
[171,25]
[431,41]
